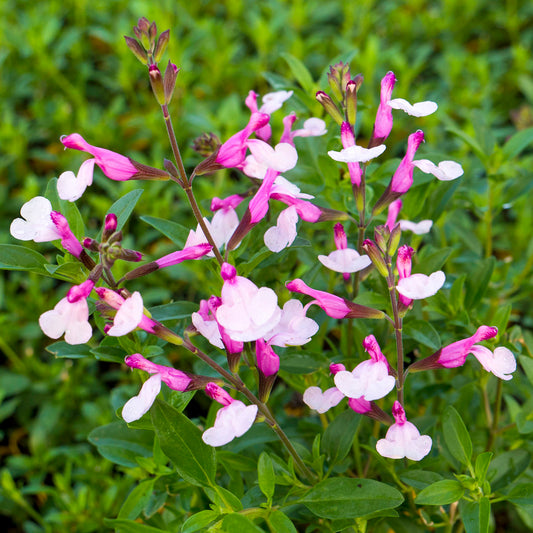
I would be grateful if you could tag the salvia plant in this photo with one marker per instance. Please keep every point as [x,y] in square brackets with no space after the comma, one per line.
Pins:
[304,408]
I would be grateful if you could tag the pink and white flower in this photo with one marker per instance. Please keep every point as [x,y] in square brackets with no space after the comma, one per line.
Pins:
[370,379]
[383,122]
[233,420]
[282,235]
[294,327]
[357,154]
[36,223]
[403,439]
[320,401]
[221,227]
[420,286]
[70,316]
[281,158]
[501,362]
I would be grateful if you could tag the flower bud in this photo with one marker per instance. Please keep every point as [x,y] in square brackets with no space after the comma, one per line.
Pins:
[170,167]
[206,144]
[394,240]
[161,45]
[376,256]
[330,107]
[351,102]
[138,51]
[156,81]
[169,81]
[381,235]
[91,244]
[338,77]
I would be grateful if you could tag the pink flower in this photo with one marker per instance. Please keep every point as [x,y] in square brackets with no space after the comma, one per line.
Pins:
[403,177]
[392,213]
[403,264]
[221,228]
[233,151]
[312,127]
[420,109]
[320,401]
[267,359]
[383,123]
[334,306]
[189,252]
[70,316]
[294,327]
[175,379]
[233,420]
[282,235]
[247,312]
[68,240]
[71,187]
[281,158]
[454,354]
[205,323]
[403,439]
[370,379]
[114,166]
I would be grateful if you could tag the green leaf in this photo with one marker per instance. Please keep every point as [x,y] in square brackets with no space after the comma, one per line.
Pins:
[130,526]
[237,522]
[527,365]
[16,257]
[350,498]
[281,523]
[137,499]
[174,231]
[199,521]
[124,206]
[441,493]
[518,142]
[173,311]
[181,441]
[69,271]
[338,437]
[521,494]
[478,282]
[120,444]
[300,72]
[456,435]
[423,332]
[506,467]
[475,515]
[482,464]
[224,499]
[420,479]
[470,141]
[266,476]
[501,318]
[62,349]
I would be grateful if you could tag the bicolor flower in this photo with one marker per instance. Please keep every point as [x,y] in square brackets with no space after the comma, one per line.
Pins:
[383,122]
[320,401]
[370,379]
[205,323]
[454,355]
[444,171]
[139,405]
[312,127]
[70,316]
[403,439]
[247,312]
[420,286]
[334,306]
[71,187]
[343,259]
[418,228]
[404,264]
[294,327]
[280,158]
[233,420]
[420,109]
[115,166]
[282,235]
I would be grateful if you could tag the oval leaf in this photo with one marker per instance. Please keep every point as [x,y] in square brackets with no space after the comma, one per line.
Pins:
[440,493]
[456,435]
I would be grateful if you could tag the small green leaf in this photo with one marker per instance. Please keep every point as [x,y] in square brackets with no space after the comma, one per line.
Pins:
[527,365]
[122,445]
[521,494]
[300,73]
[506,467]
[281,523]
[420,479]
[475,515]
[338,437]
[137,500]
[423,332]
[224,499]
[440,493]
[14,257]
[173,311]
[181,441]
[62,349]
[478,282]
[174,231]
[482,464]
[456,435]
[237,522]
[338,498]
[266,476]
[130,526]
[199,521]
[517,143]
[124,206]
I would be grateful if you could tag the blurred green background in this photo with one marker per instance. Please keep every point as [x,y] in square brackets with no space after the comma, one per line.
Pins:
[65,68]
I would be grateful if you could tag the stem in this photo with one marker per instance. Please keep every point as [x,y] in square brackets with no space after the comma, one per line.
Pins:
[488,221]
[398,331]
[174,144]
[496,416]
[263,408]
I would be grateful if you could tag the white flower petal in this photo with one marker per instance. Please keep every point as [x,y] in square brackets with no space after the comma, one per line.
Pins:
[420,286]
[444,171]
[357,154]
[139,405]
[418,228]
[281,158]
[346,260]
[320,401]
[128,316]
[420,109]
